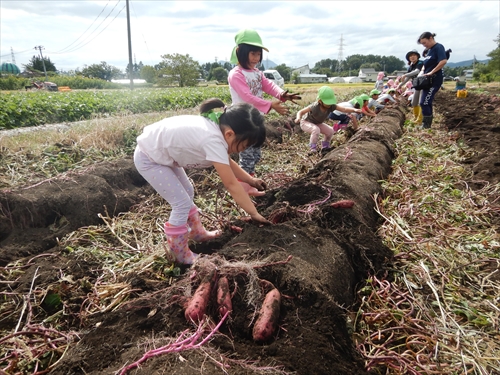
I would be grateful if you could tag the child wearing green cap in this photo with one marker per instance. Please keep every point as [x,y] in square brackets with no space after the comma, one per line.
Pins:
[168,146]
[248,84]
[373,104]
[312,118]
[387,97]
[364,107]
[349,113]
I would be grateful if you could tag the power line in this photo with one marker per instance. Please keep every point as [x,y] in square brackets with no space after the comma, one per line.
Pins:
[80,45]
[16,52]
[147,48]
[77,39]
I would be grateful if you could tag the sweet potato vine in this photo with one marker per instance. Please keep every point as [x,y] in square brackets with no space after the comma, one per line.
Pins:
[436,310]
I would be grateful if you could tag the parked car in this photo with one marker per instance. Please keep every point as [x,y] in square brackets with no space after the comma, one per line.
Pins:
[274,76]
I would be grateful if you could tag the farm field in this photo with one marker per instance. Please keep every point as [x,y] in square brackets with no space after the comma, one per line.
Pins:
[404,281]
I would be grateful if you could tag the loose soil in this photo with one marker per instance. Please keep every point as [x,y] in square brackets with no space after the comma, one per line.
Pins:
[333,250]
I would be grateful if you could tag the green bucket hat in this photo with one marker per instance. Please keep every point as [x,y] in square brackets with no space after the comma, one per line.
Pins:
[375,92]
[246,36]
[357,100]
[364,97]
[326,95]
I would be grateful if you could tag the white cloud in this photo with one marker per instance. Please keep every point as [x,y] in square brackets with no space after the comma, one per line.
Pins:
[296,33]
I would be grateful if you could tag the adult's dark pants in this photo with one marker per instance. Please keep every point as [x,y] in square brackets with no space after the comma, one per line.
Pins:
[427,96]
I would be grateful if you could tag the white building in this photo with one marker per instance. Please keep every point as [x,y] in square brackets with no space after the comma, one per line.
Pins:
[469,74]
[353,80]
[336,80]
[304,75]
[368,74]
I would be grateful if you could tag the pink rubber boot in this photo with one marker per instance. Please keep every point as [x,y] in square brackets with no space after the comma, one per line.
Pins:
[177,240]
[198,233]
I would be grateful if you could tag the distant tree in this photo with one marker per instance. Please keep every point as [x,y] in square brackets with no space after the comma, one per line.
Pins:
[391,63]
[211,67]
[326,63]
[36,64]
[180,68]
[136,70]
[219,74]
[453,72]
[377,66]
[326,71]
[102,71]
[228,66]
[494,63]
[284,71]
[149,74]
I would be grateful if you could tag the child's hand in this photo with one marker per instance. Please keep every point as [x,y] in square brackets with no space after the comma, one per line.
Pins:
[289,96]
[251,190]
[259,184]
[260,219]
[279,107]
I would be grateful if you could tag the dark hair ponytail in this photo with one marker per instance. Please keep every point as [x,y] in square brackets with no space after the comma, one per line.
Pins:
[244,119]
[210,104]
[426,35]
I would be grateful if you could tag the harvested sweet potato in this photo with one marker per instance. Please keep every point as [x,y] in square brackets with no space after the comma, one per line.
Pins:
[224,303]
[267,322]
[197,305]
[345,203]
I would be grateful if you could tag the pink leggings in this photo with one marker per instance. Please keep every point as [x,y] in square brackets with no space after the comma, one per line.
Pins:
[172,183]
[315,130]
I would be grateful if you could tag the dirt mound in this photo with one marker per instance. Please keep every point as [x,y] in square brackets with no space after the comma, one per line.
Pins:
[35,216]
[476,119]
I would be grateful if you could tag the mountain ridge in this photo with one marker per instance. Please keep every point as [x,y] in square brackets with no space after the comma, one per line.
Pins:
[269,64]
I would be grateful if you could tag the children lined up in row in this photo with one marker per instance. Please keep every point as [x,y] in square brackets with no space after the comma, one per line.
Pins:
[168,146]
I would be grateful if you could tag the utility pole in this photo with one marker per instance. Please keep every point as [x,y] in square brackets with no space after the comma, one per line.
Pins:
[130,66]
[43,62]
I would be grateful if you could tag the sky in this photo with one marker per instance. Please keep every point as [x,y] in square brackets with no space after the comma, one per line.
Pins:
[75,33]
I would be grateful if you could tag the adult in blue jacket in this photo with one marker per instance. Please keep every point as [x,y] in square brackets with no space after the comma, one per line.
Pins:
[434,61]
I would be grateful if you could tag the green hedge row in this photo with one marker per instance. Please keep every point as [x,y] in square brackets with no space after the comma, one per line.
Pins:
[21,109]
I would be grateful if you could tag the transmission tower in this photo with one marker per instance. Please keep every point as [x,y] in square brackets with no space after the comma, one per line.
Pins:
[12,55]
[340,56]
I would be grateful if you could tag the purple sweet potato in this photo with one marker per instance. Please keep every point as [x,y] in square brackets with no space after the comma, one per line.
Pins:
[224,303]
[267,322]
[345,203]
[197,305]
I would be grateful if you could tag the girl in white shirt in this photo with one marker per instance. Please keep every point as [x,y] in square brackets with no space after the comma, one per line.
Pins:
[168,146]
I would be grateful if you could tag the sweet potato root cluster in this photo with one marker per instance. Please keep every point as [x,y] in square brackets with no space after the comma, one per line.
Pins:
[214,294]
